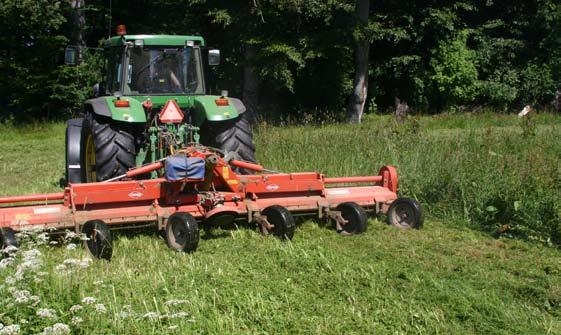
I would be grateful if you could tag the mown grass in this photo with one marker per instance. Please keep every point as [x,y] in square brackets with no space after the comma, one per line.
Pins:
[447,278]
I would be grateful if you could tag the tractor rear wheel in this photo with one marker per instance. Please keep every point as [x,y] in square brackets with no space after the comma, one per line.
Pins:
[106,150]
[232,135]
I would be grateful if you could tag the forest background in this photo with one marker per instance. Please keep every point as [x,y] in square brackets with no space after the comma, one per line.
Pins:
[290,58]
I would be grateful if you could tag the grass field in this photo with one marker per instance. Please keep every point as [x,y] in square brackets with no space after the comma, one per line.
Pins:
[472,174]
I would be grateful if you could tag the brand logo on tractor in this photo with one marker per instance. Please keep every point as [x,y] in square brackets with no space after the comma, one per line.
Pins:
[273,187]
[135,195]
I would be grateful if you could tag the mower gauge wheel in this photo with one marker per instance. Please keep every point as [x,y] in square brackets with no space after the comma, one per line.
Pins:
[405,213]
[7,239]
[281,220]
[182,232]
[100,240]
[357,221]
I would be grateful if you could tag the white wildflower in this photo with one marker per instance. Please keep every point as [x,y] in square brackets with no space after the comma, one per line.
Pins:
[6,262]
[88,300]
[31,254]
[10,249]
[174,327]
[100,308]
[98,282]
[10,330]
[60,268]
[175,302]
[10,280]
[53,243]
[78,263]
[70,235]
[70,246]
[76,320]
[46,313]
[42,274]
[75,308]
[21,296]
[179,315]
[151,315]
[35,300]
[42,238]
[57,329]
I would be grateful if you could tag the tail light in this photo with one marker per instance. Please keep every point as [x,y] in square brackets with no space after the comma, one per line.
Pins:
[222,102]
[121,103]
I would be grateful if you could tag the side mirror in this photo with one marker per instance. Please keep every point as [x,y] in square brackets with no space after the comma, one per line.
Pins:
[70,55]
[214,57]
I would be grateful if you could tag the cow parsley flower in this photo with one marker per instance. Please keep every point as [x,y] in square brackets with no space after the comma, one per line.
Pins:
[175,302]
[46,313]
[57,329]
[75,308]
[76,320]
[88,300]
[100,308]
[10,330]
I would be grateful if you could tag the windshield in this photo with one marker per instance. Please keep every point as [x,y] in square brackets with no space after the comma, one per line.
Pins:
[164,71]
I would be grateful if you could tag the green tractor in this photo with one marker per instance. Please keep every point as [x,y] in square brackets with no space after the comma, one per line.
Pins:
[122,127]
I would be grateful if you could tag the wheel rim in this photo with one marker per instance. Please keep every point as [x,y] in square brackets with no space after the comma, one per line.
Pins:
[179,234]
[90,160]
[403,216]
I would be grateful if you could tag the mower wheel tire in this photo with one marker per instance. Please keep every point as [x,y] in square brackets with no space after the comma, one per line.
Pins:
[357,220]
[182,232]
[7,239]
[106,150]
[99,239]
[282,221]
[73,146]
[233,135]
[405,213]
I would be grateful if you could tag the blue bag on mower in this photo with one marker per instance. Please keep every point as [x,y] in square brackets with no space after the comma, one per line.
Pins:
[182,167]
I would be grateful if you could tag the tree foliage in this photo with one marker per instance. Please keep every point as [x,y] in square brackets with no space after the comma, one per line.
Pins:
[434,55]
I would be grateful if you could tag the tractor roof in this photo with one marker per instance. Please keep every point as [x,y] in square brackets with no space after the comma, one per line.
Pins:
[163,40]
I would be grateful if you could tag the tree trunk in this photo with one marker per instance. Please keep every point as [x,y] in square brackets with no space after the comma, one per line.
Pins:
[79,23]
[362,51]
[250,95]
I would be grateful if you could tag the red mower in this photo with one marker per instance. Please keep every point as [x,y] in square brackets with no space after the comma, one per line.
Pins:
[198,186]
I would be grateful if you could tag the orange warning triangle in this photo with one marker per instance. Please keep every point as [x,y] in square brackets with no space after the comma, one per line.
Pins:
[171,113]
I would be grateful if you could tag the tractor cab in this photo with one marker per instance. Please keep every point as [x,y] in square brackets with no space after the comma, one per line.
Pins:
[140,65]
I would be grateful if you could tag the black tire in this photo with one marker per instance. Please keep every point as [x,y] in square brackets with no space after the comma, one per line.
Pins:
[115,150]
[8,239]
[282,220]
[405,213]
[182,232]
[233,135]
[356,217]
[99,239]
[73,147]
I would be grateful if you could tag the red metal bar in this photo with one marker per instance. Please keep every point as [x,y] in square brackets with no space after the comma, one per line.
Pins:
[344,180]
[246,165]
[32,198]
[145,169]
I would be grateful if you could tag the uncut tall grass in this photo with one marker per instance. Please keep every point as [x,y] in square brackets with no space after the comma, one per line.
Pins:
[479,168]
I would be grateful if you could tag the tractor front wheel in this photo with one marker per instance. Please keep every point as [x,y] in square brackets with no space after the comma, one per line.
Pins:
[106,150]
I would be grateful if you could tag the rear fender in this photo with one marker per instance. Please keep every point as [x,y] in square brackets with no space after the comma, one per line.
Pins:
[205,108]
[104,106]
